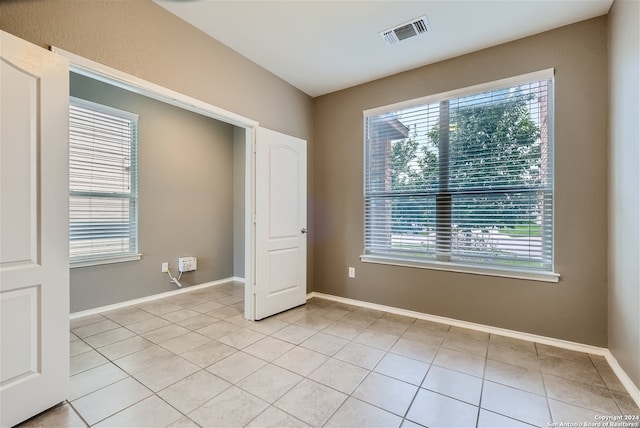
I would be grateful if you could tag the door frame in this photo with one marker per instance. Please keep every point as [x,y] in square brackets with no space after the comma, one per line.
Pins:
[111,76]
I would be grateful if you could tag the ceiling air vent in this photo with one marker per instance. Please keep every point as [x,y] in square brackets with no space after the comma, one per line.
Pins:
[415,27]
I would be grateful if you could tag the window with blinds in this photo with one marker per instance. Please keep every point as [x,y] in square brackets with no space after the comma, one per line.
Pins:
[463,180]
[103,202]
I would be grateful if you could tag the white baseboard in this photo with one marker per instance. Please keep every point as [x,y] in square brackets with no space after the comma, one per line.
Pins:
[574,346]
[153,297]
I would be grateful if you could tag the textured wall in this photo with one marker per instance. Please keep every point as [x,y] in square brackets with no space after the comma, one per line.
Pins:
[144,40]
[624,186]
[185,196]
[575,308]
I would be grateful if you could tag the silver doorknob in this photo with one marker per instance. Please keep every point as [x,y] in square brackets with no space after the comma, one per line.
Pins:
[304,230]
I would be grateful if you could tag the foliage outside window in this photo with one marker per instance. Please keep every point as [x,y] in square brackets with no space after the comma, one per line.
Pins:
[103,200]
[463,180]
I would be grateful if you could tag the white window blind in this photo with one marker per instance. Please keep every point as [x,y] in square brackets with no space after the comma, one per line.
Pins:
[465,180]
[103,203]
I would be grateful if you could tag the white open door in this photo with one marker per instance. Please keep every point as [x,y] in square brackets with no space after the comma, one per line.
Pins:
[34,266]
[281,222]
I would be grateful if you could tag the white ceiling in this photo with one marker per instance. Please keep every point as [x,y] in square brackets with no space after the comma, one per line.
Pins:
[324,46]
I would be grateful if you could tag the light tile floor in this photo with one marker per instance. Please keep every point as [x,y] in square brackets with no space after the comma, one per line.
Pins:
[192,360]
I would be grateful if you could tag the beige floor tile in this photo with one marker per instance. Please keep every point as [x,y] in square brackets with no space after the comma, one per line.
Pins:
[276,418]
[219,329]
[417,350]
[435,410]
[165,333]
[236,367]
[489,419]
[83,321]
[148,325]
[356,413]
[232,408]
[193,391]
[300,360]
[426,336]
[294,334]
[515,376]
[626,403]
[110,400]
[387,393]
[435,328]
[406,423]
[85,361]
[567,354]
[184,422]
[108,337]
[515,344]
[242,338]
[151,412]
[181,315]
[513,353]
[376,339]
[324,343]
[267,326]
[460,361]
[402,368]
[144,359]
[580,394]
[360,355]
[454,384]
[197,322]
[78,347]
[268,348]
[128,315]
[568,413]
[358,319]
[311,402]
[292,315]
[73,337]
[466,333]
[230,300]
[514,403]
[185,342]
[606,373]
[314,322]
[91,329]
[224,312]
[164,374]
[206,307]
[209,353]
[572,369]
[343,330]
[466,344]
[339,375]
[60,416]
[124,347]
[159,307]
[93,379]
[389,326]
[269,382]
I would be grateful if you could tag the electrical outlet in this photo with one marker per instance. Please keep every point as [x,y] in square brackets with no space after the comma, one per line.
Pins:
[165,267]
[352,272]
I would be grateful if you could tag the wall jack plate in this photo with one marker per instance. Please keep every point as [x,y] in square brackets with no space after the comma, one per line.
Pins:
[187,264]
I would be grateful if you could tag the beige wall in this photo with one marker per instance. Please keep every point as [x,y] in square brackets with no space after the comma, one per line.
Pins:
[624,186]
[574,309]
[185,195]
[143,39]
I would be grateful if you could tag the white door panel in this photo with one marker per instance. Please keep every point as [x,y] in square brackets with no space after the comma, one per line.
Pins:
[34,267]
[281,221]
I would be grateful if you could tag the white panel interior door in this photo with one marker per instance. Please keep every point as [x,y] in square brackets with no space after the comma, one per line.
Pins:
[281,222]
[34,265]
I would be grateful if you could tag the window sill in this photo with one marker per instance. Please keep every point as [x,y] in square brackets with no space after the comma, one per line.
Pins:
[464,268]
[105,261]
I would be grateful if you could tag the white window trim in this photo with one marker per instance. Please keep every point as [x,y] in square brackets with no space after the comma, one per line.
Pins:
[458,267]
[464,268]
